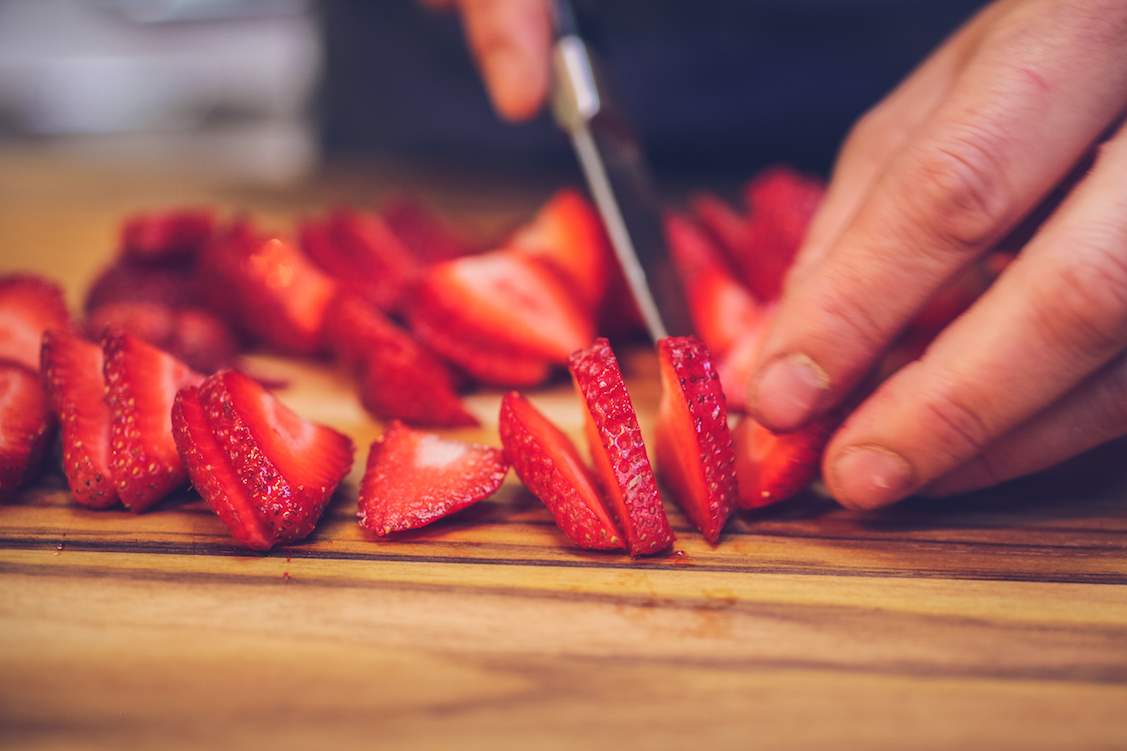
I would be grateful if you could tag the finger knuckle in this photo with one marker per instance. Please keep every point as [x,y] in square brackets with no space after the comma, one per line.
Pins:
[1085,309]
[957,426]
[962,195]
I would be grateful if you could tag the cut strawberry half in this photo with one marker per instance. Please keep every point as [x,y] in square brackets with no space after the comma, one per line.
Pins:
[266,472]
[414,478]
[26,426]
[618,451]
[141,382]
[196,336]
[429,239]
[511,300]
[694,446]
[29,305]
[722,309]
[772,467]
[786,200]
[162,236]
[173,286]
[547,463]
[483,362]
[568,231]
[269,289]
[362,253]
[756,248]
[398,377]
[72,372]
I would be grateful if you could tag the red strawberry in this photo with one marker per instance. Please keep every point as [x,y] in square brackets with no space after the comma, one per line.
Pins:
[756,248]
[26,427]
[722,309]
[547,463]
[482,361]
[568,231]
[618,451]
[162,236]
[414,478]
[196,336]
[269,289]
[29,305]
[122,282]
[362,253]
[72,372]
[141,382]
[771,467]
[737,367]
[512,301]
[694,446]
[398,377]
[266,472]
[424,232]
[788,200]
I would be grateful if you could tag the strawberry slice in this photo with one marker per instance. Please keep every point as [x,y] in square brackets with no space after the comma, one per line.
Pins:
[414,478]
[618,451]
[362,253]
[547,463]
[482,361]
[29,305]
[269,289]
[786,200]
[266,472]
[125,282]
[568,231]
[756,248]
[771,467]
[196,336]
[141,382]
[513,301]
[72,372]
[162,236]
[694,446]
[26,426]
[722,309]
[398,377]
[424,233]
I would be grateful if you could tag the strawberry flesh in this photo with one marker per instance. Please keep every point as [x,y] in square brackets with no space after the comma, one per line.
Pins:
[424,232]
[29,305]
[265,471]
[694,446]
[72,373]
[26,426]
[549,466]
[195,335]
[618,451]
[159,237]
[722,309]
[398,377]
[772,467]
[141,383]
[413,479]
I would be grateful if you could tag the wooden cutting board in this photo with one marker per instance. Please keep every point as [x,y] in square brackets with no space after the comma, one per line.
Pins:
[993,621]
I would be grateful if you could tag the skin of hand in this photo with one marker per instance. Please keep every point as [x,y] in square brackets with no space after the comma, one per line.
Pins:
[936,175]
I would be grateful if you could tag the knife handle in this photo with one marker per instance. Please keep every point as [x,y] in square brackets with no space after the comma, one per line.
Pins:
[563,16]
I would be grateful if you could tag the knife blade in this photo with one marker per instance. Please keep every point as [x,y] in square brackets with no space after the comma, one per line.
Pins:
[615,169]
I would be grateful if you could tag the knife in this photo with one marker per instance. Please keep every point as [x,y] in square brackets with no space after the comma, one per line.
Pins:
[616,173]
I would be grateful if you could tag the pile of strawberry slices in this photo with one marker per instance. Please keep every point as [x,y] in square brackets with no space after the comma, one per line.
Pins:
[147,393]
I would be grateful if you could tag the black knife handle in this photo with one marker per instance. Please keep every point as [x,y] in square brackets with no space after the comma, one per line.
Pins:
[563,15]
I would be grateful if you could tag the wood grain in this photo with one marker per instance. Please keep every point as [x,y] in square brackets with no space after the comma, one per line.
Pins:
[993,621]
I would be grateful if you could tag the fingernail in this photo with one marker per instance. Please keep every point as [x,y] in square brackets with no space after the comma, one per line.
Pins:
[788,391]
[866,477]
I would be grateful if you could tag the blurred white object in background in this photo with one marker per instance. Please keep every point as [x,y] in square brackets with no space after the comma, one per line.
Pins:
[225,81]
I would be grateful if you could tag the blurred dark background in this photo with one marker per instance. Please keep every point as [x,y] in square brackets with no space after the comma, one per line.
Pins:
[275,88]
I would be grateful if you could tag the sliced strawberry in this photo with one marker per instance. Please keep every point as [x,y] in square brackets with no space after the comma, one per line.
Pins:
[269,289]
[722,309]
[398,377]
[568,231]
[173,286]
[162,236]
[547,463]
[413,479]
[787,200]
[618,451]
[72,372]
[266,472]
[29,305]
[429,239]
[481,361]
[511,300]
[26,426]
[141,382]
[737,367]
[362,253]
[196,336]
[771,467]
[694,446]
[755,248]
